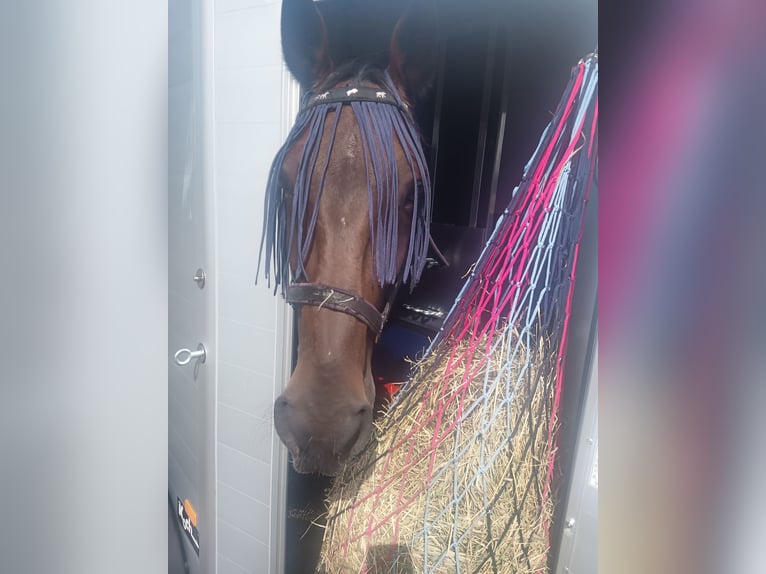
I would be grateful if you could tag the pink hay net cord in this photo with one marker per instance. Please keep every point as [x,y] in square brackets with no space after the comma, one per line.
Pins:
[512,250]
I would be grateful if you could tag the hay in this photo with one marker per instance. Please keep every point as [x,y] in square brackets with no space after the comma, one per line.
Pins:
[473,499]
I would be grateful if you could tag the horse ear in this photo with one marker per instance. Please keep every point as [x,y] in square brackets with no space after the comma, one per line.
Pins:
[304,42]
[414,50]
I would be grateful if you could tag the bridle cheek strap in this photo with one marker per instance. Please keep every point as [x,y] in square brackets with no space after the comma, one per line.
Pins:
[339,300]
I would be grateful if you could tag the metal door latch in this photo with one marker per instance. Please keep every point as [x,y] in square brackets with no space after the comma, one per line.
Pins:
[185,356]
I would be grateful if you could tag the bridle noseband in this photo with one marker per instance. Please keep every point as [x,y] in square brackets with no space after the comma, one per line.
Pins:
[339,300]
[334,298]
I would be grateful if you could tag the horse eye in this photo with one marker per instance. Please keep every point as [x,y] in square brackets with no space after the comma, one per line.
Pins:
[415,191]
[287,189]
[284,183]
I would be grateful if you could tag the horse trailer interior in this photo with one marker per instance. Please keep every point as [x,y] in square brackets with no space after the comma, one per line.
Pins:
[236,506]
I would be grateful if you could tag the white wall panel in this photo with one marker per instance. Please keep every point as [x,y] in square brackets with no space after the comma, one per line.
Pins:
[250,38]
[250,98]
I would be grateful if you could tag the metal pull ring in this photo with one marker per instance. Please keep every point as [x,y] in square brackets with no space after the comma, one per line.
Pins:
[185,356]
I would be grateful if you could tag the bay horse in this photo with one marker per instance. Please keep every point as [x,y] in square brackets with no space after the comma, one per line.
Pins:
[347,214]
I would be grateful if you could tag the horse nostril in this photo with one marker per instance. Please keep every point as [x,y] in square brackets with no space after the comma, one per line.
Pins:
[363,411]
[280,403]
[356,429]
[281,422]
[280,408]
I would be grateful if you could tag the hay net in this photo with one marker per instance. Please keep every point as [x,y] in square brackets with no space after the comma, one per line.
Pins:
[458,478]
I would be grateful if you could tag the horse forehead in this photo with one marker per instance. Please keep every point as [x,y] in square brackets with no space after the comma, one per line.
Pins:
[351,146]
[347,145]
[348,154]
[348,141]
[349,171]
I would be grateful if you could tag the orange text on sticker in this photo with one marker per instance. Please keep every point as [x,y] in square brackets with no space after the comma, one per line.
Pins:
[190,512]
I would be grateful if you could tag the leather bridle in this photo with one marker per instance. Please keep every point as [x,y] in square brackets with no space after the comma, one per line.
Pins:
[340,300]
[348,94]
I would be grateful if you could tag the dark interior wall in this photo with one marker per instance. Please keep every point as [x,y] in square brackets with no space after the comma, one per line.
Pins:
[547,38]
[518,54]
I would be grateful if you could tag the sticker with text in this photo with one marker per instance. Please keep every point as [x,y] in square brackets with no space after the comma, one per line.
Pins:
[187,516]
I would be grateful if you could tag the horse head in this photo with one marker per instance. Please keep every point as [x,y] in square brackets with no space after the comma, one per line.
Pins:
[347,215]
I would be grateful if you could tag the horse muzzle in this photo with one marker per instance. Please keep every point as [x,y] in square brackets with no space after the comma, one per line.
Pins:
[321,439]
